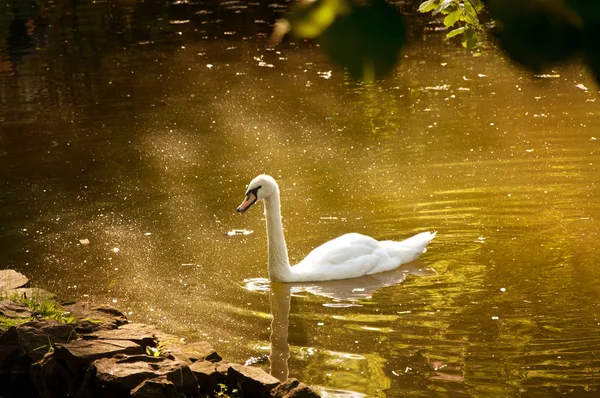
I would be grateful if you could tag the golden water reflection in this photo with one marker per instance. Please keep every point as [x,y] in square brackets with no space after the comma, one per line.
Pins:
[503,166]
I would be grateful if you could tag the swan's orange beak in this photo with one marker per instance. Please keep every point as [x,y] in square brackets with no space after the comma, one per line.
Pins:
[249,201]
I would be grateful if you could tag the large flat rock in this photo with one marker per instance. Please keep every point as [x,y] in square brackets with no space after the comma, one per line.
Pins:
[10,309]
[34,293]
[192,352]
[81,353]
[11,279]
[121,376]
[33,339]
[254,382]
[23,345]
[118,376]
[206,374]
[292,388]
[92,317]
[155,388]
[139,333]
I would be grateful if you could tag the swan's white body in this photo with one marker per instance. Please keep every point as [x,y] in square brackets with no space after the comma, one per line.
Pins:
[349,256]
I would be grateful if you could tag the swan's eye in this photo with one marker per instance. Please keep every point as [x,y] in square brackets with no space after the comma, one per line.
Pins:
[253,191]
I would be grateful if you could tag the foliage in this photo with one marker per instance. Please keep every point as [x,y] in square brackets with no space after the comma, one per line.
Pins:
[535,33]
[223,392]
[366,36]
[40,306]
[157,350]
[540,33]
[152,351]
[462,17]
[50,346]
[6,322]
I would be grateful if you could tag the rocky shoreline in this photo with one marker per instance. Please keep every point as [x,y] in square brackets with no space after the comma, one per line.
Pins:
[92,351]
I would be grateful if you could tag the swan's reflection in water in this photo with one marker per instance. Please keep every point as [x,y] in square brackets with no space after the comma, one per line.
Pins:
[279,298]
[343,293]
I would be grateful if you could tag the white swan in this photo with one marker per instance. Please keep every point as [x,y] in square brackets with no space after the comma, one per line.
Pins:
[349,256]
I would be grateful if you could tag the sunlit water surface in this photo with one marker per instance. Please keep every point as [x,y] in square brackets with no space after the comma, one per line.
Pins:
[121,170]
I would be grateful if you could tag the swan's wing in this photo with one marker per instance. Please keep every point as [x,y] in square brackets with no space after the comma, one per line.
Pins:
[353,255]
[350,246]
[343,248]
[348,256]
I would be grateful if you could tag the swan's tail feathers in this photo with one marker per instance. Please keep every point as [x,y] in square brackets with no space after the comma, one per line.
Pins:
[420,241]
[409,249]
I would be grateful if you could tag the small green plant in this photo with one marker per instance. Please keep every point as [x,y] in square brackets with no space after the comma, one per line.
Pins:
[222,390]
[461,18]
[40,307]
[157,350]
[90,320]
[224,393]
[152,351]
[50,309]
[49,345]
[6,322]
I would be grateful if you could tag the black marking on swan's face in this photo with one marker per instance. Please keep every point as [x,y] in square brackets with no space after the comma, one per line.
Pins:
[251,198]
[253,191]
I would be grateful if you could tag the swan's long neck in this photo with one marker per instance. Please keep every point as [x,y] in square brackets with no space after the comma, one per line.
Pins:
[279,264]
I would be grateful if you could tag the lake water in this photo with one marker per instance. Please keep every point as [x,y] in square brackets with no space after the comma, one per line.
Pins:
[129,132]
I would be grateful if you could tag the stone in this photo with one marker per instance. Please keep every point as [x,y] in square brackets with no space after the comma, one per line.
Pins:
[35,293]
[102,356]
[110,377]
[206,374]
[24,344]
[11,279]
[33,339]
[182,377]
[155,388]
[10,309]
[118,376]
[222,368]
[253,382]
[80,354]
[192,352]
[52,379]
[292,388]
[139,333]
[91,318]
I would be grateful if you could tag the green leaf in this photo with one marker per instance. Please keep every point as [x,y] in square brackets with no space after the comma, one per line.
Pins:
[456,32]
[152,351]
[309,21]
[468,14]
[471,39]
[443,7]
[477,5]
[452,18]
[428,5]
[468,6]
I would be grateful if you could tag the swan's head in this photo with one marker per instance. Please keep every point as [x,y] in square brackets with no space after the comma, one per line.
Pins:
[259,188]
